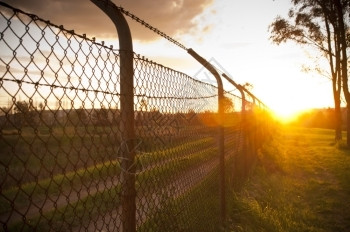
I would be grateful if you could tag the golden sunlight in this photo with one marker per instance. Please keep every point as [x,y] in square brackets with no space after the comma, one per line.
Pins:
[286,109]
[286,114]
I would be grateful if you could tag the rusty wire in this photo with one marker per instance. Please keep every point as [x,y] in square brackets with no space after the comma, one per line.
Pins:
[150,27]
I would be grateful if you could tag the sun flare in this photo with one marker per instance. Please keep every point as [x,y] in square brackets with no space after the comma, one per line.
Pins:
[286,115]
[287,112]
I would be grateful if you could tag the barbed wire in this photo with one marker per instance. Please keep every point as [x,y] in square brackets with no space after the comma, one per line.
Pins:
[164,35]
[93,40]
[60,27]
[147,25]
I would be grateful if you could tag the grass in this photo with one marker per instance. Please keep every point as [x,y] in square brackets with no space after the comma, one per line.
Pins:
[72,215]
[33,154]
[196,210]
[168,163]
[61,182]
[39,155]
[103,201]
[302,184]
[150,158]
[24,195]
[158,176]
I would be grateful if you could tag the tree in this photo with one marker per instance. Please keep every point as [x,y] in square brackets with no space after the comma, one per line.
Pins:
[41,106]
[248,86]
[227,105]
[82,117]
[25,113]
[100,116]
[342,8]
[143,105]
[78,117]
[317,23]
[5,110]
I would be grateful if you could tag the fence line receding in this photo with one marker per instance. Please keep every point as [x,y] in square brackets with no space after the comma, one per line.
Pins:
[61,136]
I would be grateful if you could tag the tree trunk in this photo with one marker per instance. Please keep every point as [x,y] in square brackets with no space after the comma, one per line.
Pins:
[348,124]
[336,78]
[337,120]
[344,71]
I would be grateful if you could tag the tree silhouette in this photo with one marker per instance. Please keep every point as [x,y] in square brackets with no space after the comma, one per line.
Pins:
[228,105]
[319,23]
[143,105]
[25,113]
[100,116]
[41,106]
[82,116]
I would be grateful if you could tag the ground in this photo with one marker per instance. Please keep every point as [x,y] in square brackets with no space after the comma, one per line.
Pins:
[302,183]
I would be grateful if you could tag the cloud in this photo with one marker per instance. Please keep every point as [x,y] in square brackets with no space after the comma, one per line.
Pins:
[173,17]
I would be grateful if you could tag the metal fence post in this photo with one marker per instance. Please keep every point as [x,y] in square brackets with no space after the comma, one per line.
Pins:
[253,132]
[127,114]
[244,124]
[221,136]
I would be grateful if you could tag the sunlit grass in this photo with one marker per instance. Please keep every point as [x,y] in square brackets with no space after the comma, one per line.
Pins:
[303,184]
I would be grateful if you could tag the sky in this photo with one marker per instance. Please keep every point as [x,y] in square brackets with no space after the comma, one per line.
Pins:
[232,33]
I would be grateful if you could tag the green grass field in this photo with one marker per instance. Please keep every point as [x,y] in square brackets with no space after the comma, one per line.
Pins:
[302,184]
[88,188]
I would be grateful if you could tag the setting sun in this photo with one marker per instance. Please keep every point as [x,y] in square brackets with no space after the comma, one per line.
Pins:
[286,114]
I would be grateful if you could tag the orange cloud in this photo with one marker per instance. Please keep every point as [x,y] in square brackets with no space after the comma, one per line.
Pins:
[172,17]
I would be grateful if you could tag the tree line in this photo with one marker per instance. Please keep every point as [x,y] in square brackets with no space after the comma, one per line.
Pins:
[25,113]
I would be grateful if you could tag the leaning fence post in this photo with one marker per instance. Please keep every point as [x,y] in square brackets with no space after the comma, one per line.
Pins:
[126,113]
[244,123]
[211,69]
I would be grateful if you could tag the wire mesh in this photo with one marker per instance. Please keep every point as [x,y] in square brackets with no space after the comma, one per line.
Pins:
[177,152]
[59,127]
[60,136]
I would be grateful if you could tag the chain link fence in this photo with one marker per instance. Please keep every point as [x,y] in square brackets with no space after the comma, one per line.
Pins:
[61,143]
